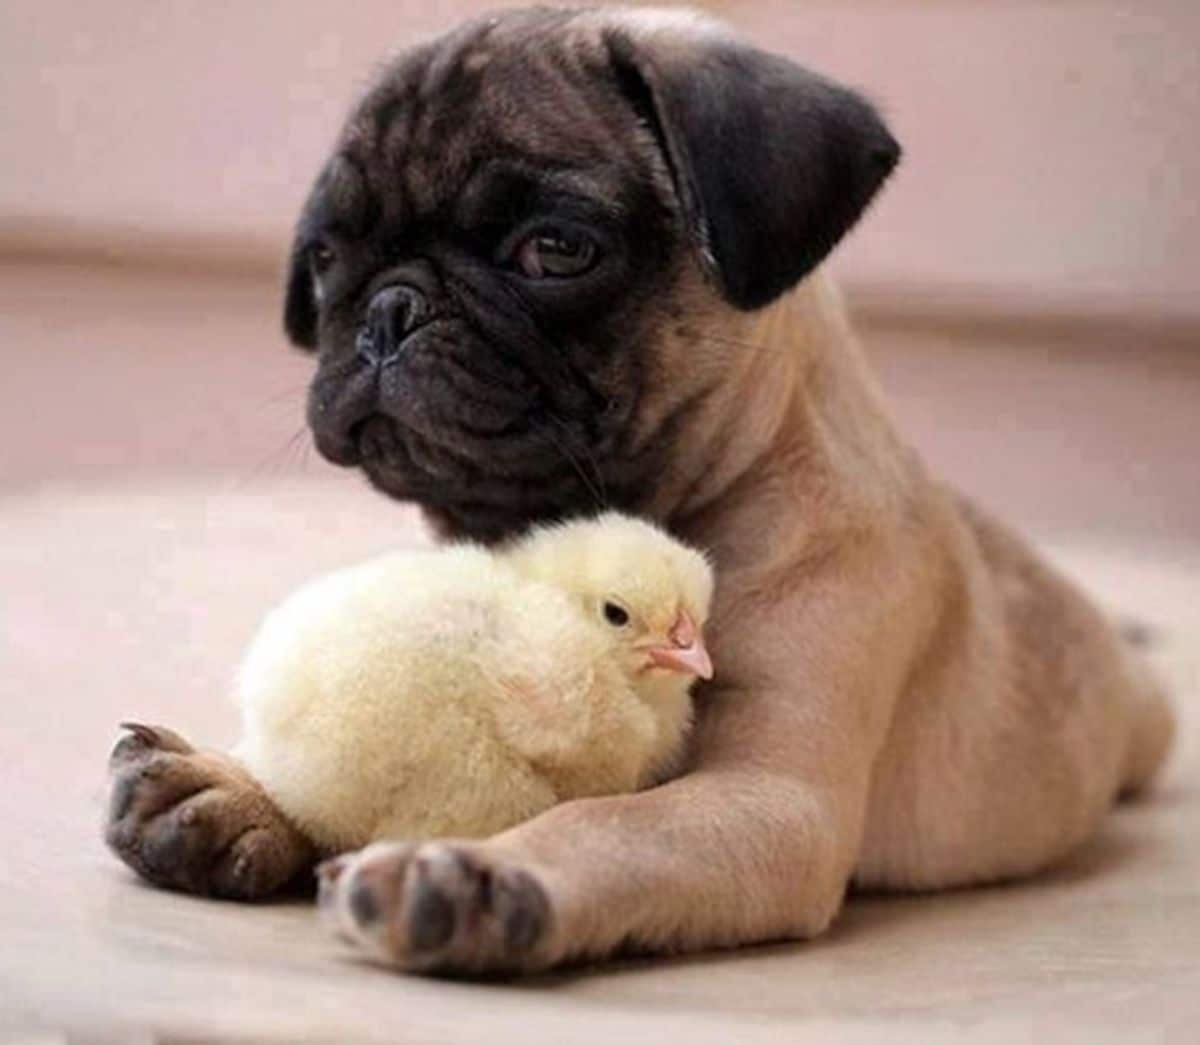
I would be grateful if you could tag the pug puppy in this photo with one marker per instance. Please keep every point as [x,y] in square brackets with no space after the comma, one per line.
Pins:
[565,260]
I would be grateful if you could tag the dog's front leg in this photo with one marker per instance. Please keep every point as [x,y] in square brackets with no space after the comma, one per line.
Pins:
[717,858]
[757,843]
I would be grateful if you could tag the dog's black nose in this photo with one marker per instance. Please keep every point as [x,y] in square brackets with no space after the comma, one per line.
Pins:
[394,312]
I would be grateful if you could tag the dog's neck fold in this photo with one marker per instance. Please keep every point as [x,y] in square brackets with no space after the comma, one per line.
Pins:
[804,391]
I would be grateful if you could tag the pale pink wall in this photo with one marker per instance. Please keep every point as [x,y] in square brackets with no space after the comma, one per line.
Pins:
[1053,147]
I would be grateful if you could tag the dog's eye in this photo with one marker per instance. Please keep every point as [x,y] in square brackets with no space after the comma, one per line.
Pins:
[616,615]
[320,258]
[556,253]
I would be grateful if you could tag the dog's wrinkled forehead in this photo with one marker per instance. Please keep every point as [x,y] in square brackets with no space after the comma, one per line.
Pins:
[766,164]
[529,96]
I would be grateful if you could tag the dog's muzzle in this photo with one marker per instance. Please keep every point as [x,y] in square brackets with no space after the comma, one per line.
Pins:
[339,410]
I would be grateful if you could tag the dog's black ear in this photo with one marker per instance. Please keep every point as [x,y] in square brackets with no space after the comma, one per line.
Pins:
[299,302]
[772,163]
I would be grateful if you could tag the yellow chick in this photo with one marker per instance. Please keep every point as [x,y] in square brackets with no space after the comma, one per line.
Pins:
[458,691]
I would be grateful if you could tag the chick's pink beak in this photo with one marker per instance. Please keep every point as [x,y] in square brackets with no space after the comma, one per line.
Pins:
[686,653]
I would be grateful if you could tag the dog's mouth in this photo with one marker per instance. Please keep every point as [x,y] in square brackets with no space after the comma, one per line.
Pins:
[378,443]
[486,487]
[478,435]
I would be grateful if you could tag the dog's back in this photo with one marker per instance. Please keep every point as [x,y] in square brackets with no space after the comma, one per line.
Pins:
[1028,715]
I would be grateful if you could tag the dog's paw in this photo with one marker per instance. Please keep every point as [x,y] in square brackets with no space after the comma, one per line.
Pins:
[437,907]
[196,821]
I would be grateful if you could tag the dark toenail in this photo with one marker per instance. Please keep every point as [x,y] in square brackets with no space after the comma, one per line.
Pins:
[125,749]
[363,904]
[431,918]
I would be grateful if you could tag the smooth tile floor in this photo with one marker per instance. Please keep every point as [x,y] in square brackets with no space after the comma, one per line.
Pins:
[151,507]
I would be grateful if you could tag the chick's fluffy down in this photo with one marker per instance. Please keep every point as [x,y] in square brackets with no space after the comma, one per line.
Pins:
[438,693]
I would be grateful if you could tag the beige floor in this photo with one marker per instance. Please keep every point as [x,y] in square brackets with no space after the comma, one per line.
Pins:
[151,508]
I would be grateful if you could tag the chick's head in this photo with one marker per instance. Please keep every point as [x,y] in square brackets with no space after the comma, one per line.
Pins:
[648,592]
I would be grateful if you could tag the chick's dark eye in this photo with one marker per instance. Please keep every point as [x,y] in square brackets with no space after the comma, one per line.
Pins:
[320,257]
[616,615]
[556,253]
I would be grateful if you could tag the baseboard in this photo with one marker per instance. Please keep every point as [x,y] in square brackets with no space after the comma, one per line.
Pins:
[1026,314]
[54,241]
[970,312]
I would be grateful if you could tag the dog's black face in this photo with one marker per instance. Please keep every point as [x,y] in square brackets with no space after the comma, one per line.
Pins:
[492,258]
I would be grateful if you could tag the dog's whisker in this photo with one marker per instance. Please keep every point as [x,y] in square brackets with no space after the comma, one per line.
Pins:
[300,449]
[276,462]
[574,463]
[284,396]
[585,450]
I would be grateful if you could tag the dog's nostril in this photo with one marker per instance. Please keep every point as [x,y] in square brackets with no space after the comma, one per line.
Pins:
[364,346]
[393,313]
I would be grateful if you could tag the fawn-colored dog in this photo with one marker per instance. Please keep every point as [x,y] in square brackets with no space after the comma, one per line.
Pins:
[568,257]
